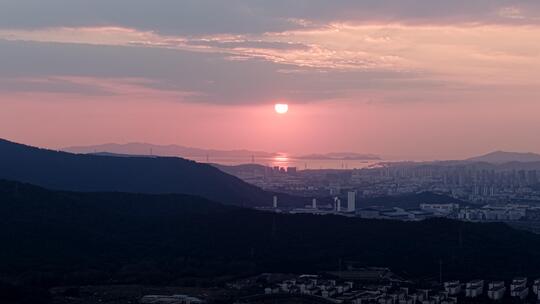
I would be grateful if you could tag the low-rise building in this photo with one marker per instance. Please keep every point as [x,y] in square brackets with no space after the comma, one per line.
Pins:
[443,209]
[496,290]
[174,299]
[453,288]
[474,289]
[536,287]
[369,213]
[519,289]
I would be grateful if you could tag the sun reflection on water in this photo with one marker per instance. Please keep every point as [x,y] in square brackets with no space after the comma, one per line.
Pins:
[281,160]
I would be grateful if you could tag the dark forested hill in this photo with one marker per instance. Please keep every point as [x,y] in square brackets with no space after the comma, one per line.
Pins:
[412,200]
[78,172]
[66,237]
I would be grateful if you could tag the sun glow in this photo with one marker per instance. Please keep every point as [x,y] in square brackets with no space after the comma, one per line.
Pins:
[281,108]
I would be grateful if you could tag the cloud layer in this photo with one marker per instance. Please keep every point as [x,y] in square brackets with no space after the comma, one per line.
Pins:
[256,16]
[337,62]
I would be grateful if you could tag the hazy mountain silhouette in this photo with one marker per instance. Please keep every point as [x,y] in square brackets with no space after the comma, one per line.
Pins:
[91,238]
[80,172]
[499,157]
[165,150]
[142,149]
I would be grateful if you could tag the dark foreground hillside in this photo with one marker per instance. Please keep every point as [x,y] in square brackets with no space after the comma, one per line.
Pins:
[53,238]
[80,172]
[412,200]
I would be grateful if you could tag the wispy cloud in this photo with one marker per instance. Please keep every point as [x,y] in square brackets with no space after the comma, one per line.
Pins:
[472,54]
[197,17]
[255,51]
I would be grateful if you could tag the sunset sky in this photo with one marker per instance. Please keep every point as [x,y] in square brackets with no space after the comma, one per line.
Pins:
[419,79]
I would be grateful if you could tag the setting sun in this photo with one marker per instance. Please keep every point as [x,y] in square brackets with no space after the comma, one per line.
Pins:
[281,108]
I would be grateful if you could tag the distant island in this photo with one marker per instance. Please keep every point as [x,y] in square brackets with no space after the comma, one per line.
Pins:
[500,157]
[340,156]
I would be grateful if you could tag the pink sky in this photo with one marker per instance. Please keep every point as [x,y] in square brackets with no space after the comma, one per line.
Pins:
[449,80]
[418,131]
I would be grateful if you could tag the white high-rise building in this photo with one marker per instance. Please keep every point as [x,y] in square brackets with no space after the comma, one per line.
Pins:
[314,203]
[275,201]
[351,201]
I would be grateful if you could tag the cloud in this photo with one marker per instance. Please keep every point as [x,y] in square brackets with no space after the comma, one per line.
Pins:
[165,16]
[273,47]
[241,52]
[512,13]
[191,76]
[198,17]
[342,61]
[247,44]
[51,85]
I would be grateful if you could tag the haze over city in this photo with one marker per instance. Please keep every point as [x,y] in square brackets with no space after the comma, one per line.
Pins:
[408,79]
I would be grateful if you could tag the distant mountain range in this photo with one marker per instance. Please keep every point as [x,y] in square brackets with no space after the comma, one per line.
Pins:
[82,172]
[164,150]
[500,157]
[143,149]
[89,238]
